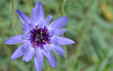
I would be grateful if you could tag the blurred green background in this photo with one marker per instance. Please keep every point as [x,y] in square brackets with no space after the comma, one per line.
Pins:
[90,26]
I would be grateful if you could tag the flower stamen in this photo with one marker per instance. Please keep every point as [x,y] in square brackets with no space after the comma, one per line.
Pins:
[48,43]
[39,36]
[41,31]
[34,44]
[36,28]
[43,41]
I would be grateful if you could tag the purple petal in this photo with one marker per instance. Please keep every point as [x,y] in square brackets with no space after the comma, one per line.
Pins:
[31,26]
[50,58]
[41,14]
[23,17]
[21,50]
[58,23]
[64,41]
[54,40]
[59,32]
[38,59]
[34,18]
[59,50]
[37,13]
[45,52]
[25,28]
[15,40]
[47,20]
[41,24]
[51,32]
[26,36]
[46,47]
[28,56]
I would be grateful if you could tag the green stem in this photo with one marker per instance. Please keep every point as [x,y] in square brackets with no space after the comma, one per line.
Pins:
[7,50]
[57,10]
[82,36]
[27,6]
[65,48]
[11,15]
[63,5]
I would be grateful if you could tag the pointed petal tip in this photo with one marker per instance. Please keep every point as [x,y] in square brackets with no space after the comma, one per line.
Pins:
[58,23]
[17,10]
[7,42]
[23,17]
[54,66]
[65,30]
[64,54]
[37,3]
[48,19]
[12,58]
[59,50]
[50,16]
[65,18]
[73,42]
[14,39]
[39,13]
[64,41]
[25,60]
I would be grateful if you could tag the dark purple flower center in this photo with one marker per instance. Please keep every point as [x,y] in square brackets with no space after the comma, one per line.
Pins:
[39,36]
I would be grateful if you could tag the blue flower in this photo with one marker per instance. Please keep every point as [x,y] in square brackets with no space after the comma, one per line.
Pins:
[39,38]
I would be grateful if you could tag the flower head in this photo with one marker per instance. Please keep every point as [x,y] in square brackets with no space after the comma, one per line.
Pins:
[39,38]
